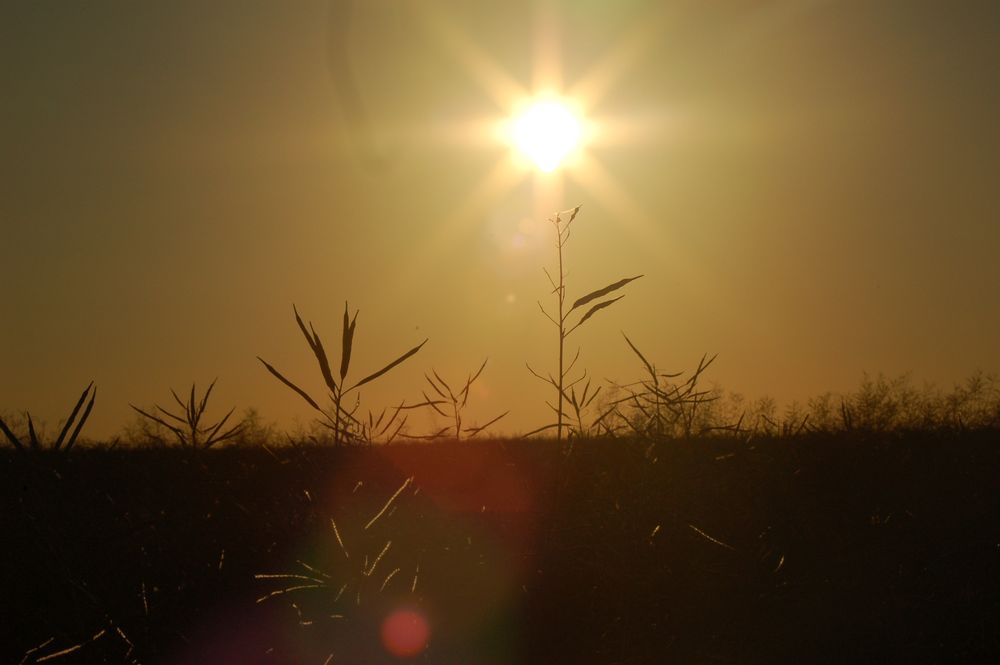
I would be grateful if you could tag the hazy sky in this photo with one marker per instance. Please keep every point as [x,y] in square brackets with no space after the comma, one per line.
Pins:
[810,189]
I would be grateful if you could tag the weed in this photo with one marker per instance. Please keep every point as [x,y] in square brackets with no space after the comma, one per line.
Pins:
[455,403]
[188,429]
[659,407]
[342,422]
[61,443]
[563,323]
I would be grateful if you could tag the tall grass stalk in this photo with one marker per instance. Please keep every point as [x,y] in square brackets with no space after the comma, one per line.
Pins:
[567,319]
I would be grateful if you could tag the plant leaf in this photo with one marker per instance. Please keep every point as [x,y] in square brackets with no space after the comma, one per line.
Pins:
[541,429]
[291,385]
[472,431]
[594,295]
[472,379]
[175,430]
[347,342]
[434,386]
[649,367]
[72,417]
[324,362]
[593,310]
[31,432]
[372,377]
[192,414]
[305,331]
[444,383]
[204,400]
[10,436]
[180,402]
[83,419]
[182,421]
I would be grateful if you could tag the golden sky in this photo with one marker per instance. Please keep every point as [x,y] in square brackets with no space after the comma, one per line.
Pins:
[808,187]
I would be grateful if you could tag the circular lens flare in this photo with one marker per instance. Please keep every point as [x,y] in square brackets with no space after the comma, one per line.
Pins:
[405,633]
[546,132]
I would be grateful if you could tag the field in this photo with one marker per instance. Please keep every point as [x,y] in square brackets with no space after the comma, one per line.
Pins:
[809,548]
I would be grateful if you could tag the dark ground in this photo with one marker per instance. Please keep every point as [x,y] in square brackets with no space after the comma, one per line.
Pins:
[846,549]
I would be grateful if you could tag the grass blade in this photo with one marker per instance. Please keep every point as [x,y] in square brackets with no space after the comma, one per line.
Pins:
[83,419]
[305,331]
[435,387]
[444,383]
[72,417]
[175,430]
[291,385]
[324,362]
[541,429]
[649,367]
[211,432]
[192,416]
[31,432]
[312,337]
[182,421]
[10,436]
[372,377]
[204,400]
[472,431]
[347,342]
[594,295]
[593,310]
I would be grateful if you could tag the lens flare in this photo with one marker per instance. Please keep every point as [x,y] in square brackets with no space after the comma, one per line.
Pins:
[546,133]
[405,633]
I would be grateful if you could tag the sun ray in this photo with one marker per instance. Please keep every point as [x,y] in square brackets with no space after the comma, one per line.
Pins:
[547,65]
[456,227]
[548,194]
[648,232]
[502,88]
[599,182]
[601,77]
[501,179]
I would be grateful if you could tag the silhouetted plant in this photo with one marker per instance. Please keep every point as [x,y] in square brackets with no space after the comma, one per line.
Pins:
[580,403]
[187,427]
[344,425]
[658,407]
[379,428]
[562,321]
[61,443]
[454,403]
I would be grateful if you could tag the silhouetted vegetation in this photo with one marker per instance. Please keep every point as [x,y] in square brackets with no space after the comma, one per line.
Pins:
[684,523]
[451,404]
[61,444]
[819,547]
[187,428]
[343,423]
[563,382]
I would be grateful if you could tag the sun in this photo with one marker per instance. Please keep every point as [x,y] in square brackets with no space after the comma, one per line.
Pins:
[547,131]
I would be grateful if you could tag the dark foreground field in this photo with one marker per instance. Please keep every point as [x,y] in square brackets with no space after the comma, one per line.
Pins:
[811,549]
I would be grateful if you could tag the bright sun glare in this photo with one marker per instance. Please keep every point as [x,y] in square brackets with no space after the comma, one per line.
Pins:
[546,133]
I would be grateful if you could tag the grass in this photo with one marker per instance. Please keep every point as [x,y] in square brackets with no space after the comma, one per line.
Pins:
[566,320]
[875,549]
[346,428]
[61,444]
[689,526]
[187,428]
[450,404]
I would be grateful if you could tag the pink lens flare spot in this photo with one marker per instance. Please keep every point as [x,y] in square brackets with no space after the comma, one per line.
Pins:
[405,633]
